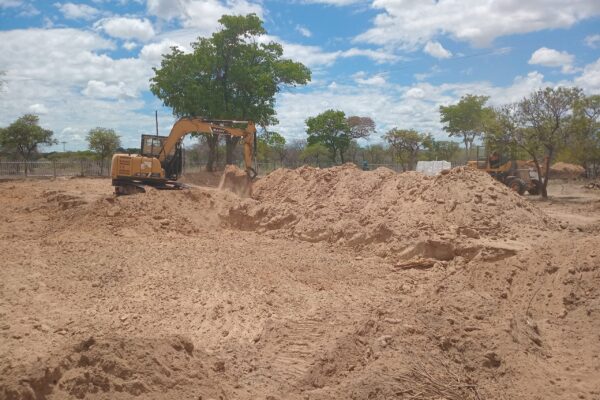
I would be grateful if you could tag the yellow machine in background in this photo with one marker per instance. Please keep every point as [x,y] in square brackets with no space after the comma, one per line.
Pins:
[514,174]
[160,162]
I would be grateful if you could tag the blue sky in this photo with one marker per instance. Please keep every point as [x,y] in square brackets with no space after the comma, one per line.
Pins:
[82,64]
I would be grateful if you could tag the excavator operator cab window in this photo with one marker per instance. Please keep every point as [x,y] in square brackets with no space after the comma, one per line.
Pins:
[152,144]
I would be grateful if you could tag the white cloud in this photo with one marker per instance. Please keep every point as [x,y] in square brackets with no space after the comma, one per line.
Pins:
[362,79]
[553,58]
[592,41]
[130,45]
[10,3]
[435,49]
[76,84]
[77,11]
[38,109]
[379,56]
[303,31]
[590,78]
[411,23]
[100,89]
[153,52]
[127,28]
[203,15]
[415,106]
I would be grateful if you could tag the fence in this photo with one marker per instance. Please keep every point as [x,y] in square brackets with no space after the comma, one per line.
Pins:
[15,169]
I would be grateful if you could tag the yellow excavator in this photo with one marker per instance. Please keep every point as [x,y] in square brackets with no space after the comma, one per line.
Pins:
[160,163]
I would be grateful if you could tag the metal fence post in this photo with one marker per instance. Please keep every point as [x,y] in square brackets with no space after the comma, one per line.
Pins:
[54,167]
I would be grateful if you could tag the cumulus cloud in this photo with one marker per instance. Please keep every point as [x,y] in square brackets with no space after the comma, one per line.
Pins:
[590,78]
[435,49]
[414,106]
[76,86]
[77,11]
[363,79]
[100,89]
[553,58]
[409,24]
[127,28]
[203,15]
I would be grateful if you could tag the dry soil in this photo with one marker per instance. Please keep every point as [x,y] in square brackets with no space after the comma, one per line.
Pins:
[333,283]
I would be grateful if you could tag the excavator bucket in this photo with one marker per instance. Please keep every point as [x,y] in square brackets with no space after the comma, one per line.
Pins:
[237,181]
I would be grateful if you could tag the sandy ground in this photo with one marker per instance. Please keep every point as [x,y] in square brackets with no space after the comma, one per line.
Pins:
[169,295]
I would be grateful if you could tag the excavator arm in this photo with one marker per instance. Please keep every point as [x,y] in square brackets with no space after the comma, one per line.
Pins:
[198,125]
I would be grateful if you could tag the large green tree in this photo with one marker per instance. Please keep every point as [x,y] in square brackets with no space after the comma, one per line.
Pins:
[331,129]
[408,143]
[230,75]
[104,142]
[466,119]
[24,136]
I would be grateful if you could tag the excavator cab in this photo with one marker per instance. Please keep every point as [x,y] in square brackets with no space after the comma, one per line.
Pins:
[153,145]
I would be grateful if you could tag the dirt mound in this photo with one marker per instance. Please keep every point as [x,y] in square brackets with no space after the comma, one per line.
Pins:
[394,215]
[119,368]
[185,212]
[562,170]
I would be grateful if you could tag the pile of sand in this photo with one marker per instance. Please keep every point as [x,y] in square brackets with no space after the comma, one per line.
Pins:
[120,368]
[157,211]
[388,214]
[562,170]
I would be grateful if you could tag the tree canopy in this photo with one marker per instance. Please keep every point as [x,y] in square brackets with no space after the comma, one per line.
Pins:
[360,127]
[408,143]
[466,119]
[331,129]
[103,142]
[25,135]
[230,75]
[539,125]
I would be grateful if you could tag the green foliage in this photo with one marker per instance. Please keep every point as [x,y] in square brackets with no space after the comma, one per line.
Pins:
[466,119]
[230,75]
[103,141]
[271,145]
[541,125]
[315,153]
[330,128]
[25,135]
[408,143]
[583,142]
[444,150]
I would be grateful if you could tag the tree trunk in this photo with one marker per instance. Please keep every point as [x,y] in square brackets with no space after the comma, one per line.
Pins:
[546,175]
[230,143]
[342,156]
[212,141]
